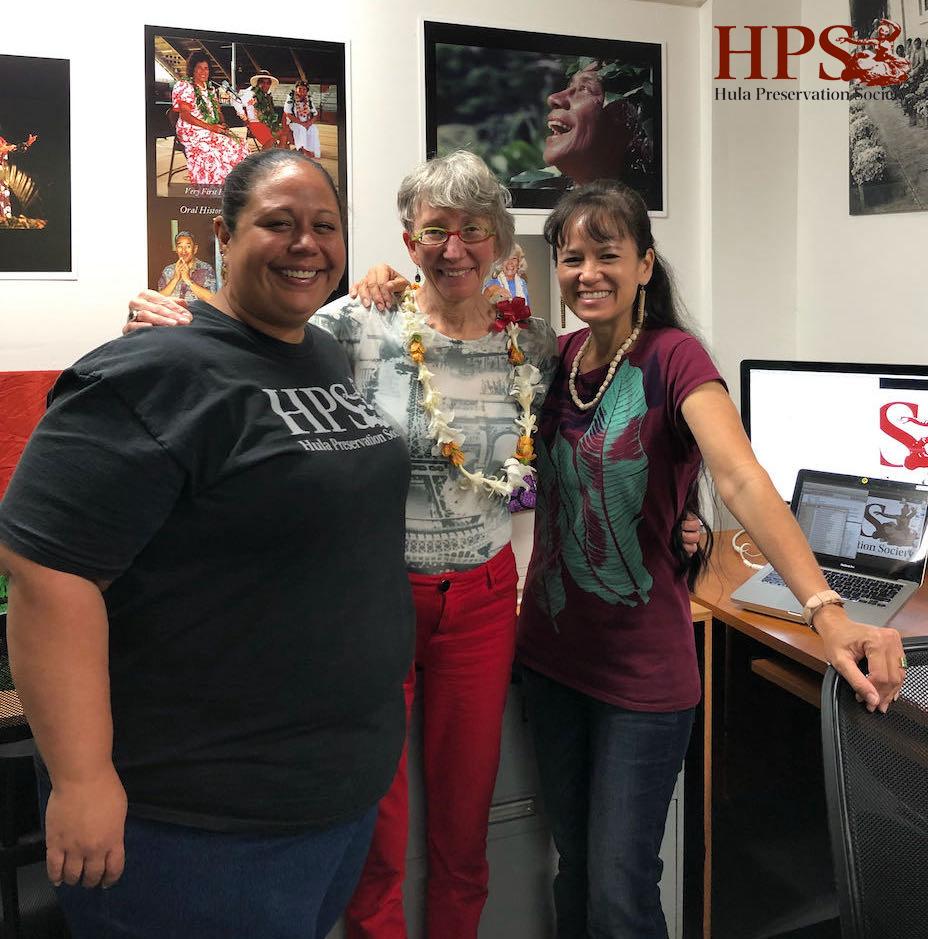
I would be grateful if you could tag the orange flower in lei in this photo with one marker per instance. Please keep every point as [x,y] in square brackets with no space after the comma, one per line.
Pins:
[525,383]
[416,349]
[525,450]
[452,452]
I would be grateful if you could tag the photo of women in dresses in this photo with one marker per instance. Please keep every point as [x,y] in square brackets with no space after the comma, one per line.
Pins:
[300,114]
[212,98]
[211,149]
[548,112]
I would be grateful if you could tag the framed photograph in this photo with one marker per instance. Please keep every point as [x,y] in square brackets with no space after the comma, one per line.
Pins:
[211,99]
[526,273]
[887,113]
[548,111]
[35,168]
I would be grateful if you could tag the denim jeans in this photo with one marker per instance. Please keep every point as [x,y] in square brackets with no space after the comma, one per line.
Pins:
[607,775]
[181,883]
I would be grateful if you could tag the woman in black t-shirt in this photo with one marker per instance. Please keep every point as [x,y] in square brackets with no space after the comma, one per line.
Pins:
[217,709]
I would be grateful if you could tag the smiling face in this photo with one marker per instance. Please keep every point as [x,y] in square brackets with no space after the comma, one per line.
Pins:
[455,270]
[301,91]
[287,253]
[584,143]
[599,280]
[264,84]
[201,72]
[511,266]
[185,248]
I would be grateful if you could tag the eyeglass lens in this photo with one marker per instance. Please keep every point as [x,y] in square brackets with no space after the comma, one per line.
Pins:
[469,235]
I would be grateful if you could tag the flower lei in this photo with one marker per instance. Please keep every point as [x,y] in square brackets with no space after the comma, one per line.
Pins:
[303,108]
[207,105]
[264,106]
[525,382]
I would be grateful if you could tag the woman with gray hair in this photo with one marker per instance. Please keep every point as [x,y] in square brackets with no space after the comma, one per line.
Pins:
[460,379]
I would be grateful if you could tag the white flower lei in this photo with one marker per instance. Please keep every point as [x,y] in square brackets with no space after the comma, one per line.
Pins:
[525,382]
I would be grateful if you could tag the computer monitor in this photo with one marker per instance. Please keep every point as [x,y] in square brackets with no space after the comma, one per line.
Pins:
[841,417]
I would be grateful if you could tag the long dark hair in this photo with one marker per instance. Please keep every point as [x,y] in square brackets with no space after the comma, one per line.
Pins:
[610,210]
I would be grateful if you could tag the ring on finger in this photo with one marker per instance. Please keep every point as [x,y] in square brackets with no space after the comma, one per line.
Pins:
[903,661]
[133,316]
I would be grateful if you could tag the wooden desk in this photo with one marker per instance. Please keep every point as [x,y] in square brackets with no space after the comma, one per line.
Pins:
[796,664]
[794,640]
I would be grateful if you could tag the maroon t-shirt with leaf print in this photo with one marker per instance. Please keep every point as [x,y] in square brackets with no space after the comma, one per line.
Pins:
[605,608]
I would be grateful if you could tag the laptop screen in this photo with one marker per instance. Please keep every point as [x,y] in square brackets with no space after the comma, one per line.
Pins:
[871,526]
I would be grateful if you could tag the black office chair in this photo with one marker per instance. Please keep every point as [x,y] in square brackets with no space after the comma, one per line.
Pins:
[876,782]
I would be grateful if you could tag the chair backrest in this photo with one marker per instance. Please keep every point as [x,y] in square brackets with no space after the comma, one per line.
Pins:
[876,781]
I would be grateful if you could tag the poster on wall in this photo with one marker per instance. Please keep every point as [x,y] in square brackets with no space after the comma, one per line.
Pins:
[888,108]
[35,168]
[548,111]
[211,99]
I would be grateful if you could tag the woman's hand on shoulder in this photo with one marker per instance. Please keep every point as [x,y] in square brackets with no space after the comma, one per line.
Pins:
[847,642]
[84,831]
[150,308]
[380,286]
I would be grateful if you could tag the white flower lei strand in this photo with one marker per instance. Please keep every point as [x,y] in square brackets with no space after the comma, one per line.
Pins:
[525,383]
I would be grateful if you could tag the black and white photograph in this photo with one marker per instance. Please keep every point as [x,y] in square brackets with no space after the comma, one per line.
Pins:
[548,111]
[35,168]
[888,109]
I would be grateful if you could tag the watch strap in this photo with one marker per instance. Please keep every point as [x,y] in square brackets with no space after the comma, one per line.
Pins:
[817,601]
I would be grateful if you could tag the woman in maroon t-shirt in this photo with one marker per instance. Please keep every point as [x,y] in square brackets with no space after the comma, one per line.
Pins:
[605,631]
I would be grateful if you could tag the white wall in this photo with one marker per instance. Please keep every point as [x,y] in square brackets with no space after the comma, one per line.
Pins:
[861,291]
[48,325]
[752,226]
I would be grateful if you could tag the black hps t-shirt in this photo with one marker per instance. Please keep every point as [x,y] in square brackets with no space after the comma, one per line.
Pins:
[248,506]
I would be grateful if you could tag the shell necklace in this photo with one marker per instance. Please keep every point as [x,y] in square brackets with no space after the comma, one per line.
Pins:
[613,365]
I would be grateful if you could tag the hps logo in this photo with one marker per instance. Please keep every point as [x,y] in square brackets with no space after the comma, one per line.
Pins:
[870,60]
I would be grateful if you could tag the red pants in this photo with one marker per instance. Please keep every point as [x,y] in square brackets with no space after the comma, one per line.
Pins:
[265,136]
[465,639]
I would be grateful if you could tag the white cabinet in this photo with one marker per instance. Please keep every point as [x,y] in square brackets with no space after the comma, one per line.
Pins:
[521,856]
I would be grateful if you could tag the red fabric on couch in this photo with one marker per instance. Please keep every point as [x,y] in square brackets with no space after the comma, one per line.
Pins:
[22,404]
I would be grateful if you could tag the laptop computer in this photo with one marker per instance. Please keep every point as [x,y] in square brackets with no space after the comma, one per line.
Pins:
[867,534]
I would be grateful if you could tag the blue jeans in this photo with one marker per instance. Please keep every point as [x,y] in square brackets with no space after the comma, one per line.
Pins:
[181,883]
[607,775]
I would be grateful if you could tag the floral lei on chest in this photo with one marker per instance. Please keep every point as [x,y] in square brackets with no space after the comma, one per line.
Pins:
[207,105]
[264,106]
[524,384]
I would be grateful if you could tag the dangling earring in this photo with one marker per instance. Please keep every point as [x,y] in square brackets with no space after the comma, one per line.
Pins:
[418,277]
[641,294]
[224,268]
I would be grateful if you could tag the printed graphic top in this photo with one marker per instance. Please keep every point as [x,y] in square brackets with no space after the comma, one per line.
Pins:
[447,528]
[605,608]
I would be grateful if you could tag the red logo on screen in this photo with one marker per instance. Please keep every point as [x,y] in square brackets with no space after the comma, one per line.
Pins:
[918,455]
[870,60]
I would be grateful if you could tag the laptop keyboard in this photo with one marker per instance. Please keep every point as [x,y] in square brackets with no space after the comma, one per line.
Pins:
[852,587]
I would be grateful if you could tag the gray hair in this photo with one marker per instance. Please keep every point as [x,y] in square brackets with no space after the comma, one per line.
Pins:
[461,181]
